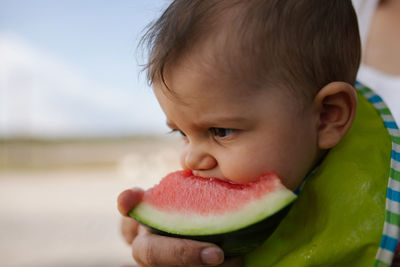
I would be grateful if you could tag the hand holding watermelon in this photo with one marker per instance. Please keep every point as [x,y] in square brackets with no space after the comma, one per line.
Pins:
[153,250]
[197,219]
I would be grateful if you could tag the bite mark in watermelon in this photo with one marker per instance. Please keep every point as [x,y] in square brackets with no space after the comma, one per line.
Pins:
[237,217]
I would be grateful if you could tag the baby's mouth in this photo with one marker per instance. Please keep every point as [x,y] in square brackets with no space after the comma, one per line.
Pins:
[205,174]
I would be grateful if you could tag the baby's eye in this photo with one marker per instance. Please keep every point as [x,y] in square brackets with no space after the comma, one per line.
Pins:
[221,132]
[179,131]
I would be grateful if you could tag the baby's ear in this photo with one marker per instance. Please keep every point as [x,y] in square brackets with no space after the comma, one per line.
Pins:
[336,104]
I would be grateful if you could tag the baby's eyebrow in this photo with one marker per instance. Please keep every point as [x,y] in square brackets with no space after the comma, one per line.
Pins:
[221,121]
[212,122]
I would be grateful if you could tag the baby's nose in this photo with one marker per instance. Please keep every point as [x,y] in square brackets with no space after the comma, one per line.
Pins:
[198,159]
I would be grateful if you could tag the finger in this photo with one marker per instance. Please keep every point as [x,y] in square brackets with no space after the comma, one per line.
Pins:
[129,229]
[154,250]
[128,199]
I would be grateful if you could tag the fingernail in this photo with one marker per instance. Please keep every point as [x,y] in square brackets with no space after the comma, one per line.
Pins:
[212,256]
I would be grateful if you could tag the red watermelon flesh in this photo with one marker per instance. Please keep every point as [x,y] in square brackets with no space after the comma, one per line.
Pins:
[183,192]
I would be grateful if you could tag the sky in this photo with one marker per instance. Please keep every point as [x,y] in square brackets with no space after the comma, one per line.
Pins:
[71,68]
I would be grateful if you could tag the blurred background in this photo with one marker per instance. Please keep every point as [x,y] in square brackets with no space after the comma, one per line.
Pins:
[78,125]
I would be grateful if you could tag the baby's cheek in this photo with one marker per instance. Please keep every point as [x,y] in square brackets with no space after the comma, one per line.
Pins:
[242,174]
[250,166]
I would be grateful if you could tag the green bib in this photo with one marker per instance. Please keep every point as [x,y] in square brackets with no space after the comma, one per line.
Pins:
[339,216]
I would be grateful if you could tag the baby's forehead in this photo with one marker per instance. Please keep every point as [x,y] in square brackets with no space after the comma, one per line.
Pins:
[192,78]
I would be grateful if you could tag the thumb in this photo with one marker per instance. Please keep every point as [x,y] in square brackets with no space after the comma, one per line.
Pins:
[128,199]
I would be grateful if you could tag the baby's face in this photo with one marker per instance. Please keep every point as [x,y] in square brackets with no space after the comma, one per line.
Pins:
[236,133]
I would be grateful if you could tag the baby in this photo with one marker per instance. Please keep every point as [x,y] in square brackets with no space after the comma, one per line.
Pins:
[253,86]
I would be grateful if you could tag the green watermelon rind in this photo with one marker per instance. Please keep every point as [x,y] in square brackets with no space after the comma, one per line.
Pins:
[242,241]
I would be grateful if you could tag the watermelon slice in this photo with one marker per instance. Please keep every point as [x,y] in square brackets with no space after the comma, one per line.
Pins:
[237,217]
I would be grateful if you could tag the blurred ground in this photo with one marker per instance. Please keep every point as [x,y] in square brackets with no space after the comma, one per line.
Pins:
[58,199]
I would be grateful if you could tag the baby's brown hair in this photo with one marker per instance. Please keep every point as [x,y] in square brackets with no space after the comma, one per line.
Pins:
[296,44]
